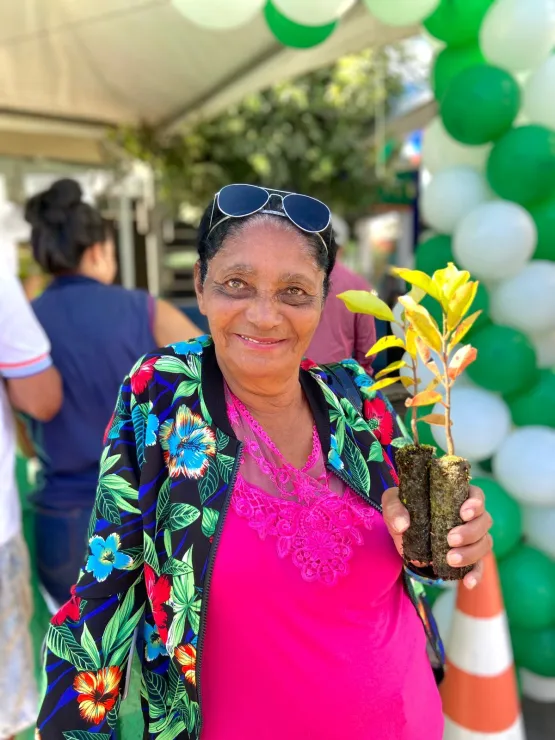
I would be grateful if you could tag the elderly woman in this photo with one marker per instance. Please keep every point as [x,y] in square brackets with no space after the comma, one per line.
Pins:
[247,521]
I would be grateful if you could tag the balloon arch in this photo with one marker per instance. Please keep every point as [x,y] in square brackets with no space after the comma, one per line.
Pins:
[491,202]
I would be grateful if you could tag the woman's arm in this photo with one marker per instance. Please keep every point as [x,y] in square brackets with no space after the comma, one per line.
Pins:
[171,325]
[89,640]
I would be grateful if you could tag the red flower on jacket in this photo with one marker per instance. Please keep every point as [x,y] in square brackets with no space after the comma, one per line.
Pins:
[307,364]
[158,590]
[97,692]
[142,377]
[376,411]
[186,656]
[70,610]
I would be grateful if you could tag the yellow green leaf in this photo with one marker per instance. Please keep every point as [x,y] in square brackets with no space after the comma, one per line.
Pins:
[437,420]
[425,398]
[384,383]
[460,304]
[461,360]
[417,294]
[434,383]
[423,324]
[410,342]
[362,301]
[418,279]
[447,281]
[385,343]
[408,382]
[462,330]
[390,369]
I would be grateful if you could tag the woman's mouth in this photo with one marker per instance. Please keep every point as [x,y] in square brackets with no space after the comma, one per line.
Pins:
[260,342]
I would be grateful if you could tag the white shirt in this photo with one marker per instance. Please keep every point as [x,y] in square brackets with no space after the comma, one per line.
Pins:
[24,351]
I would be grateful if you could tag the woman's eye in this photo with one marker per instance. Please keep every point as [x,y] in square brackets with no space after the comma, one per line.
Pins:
[295,291]
[235,284]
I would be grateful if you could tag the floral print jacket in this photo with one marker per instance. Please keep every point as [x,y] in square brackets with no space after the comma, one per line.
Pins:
[165,480]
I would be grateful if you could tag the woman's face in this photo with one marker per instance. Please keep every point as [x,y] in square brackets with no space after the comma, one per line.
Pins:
[263,297]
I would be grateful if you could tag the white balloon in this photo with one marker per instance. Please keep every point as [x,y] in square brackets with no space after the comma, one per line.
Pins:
[538,688]
[539,527]
[539,95]
[398,311]
[451,195]
[440,151]
[526,301]
[518,34]
[426,376]
[219,15]
[544,344]
[401,12]
[525,465]
[495,240]
[443,611]
[481,422]
[310,13]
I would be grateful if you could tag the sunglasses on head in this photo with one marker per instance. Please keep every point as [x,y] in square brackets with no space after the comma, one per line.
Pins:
[306,213]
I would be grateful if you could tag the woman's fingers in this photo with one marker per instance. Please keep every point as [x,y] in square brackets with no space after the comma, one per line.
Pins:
[471,532]
[396,517]
[472,579]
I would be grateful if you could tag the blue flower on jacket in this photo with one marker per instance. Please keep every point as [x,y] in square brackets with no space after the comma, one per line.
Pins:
[188,444]
[154,647]
[188,348]
[334,456]
[152,424]
[105,556]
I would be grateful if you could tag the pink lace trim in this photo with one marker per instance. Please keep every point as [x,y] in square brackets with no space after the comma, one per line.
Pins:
[319,534]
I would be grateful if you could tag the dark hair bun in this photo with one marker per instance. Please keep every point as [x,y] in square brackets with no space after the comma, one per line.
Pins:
[63,226]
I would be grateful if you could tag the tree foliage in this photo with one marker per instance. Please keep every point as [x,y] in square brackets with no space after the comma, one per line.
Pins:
[312,134]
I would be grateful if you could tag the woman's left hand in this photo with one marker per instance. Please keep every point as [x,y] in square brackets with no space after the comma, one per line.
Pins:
[469,541]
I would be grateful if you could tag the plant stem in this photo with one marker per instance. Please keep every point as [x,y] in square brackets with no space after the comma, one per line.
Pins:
[447,384]
[413,416]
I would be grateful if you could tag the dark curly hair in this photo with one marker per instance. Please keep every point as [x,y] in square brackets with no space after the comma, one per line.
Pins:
[63,227]
[209,243]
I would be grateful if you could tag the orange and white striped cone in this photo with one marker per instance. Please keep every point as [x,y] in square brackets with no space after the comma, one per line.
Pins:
[480,694]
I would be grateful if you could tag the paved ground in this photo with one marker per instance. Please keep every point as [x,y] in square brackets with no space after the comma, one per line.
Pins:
[539,720]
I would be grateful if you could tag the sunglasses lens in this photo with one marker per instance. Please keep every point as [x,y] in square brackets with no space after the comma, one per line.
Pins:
[308,213]
[241,200]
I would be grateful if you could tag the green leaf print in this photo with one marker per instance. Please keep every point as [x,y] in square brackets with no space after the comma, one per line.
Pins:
[340,435]
[174,567]
[107,506]
[139,416]
[203,407]
[173,730]
[136,554]
[208,484]
[331,398]
[111,636]
[107,462]
[61,642]
[84,735]
[225,464]
[89,646]
[194,368]
[92,525]
[400,442]
[376,452]
[181,516]
[209,520]
[222,440]
[151,557]
[185,389]
[156,688]
[163,503]
[356,466]
[194,717]
[168,542]
[112,716]
[171,365]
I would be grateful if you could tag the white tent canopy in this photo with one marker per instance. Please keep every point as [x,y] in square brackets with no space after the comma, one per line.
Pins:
[71,68]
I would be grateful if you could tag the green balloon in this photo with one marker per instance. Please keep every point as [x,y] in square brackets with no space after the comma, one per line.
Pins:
[536,405]
[434,254]
[528,583]
[425,436]
[432,594]
[506,360]
[535,650]
[481,303]
[450,62]
[507,518]
[294,34]
[480,104]
[544,218]
[487,465]
[521,166]
[457,22]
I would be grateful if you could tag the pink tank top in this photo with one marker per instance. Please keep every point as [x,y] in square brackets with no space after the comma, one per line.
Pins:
[310,633]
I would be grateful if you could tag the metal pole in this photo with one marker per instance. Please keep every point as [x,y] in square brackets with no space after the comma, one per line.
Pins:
[126,243]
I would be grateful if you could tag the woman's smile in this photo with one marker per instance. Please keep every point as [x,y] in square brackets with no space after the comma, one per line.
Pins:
[260,343]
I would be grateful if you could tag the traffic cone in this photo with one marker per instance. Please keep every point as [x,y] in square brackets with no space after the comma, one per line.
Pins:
[480,695]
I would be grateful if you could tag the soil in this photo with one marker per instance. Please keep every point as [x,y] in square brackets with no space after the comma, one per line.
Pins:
[449,489]
[413,465]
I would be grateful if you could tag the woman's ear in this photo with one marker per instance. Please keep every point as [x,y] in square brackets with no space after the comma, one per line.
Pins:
[199,288]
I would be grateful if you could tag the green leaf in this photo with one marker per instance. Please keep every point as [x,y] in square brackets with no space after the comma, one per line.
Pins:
[340,434]
[362,301]
[107,506]
[208,484]
[194,615]
[400,442]
[185,389]
[226,464]
[156,687]
[356,466]
[175,633]
[62,639]
[376,452]
[151,557]
[88,644]
[203,407]
[92,524]
[84,735]
[173,730]
[168,542]
[139,416]
[181,516]
[194,717]
[163,503]
[171,365]
[137,555]
[222,440]
[107,462]
[209,520]
[112,716]
[56,644]
[174,567]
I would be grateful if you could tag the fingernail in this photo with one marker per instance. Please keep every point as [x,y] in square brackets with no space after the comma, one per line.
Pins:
[454,558]
[454,540]
[471,582]
[399,524]
[468,514]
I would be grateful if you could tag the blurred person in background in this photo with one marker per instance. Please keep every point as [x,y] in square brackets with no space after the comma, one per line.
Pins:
[341,334]
[97,331]
[30,384]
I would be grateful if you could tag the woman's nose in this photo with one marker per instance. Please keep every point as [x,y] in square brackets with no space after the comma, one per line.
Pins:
[263,313]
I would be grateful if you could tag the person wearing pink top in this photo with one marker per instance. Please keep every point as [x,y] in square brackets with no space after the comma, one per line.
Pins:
[340,333]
